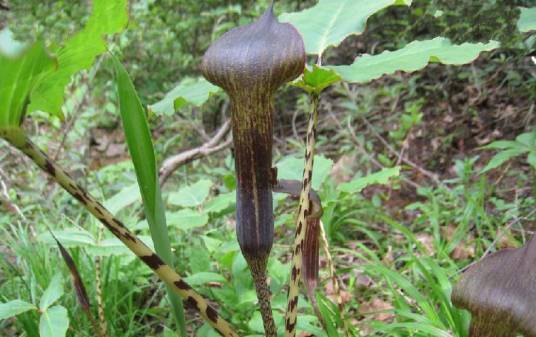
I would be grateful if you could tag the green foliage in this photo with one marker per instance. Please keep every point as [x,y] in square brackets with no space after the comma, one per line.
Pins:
[316,80]
[141,149]
[191,195]
[52,293]
[492,20]
[331,21]
[21,74]
[524,144]
[14,308]
[359,183]
[416,55]
[78,53]
[189,91]
[427,312]
[54,320]
[527,20]
[292,167]
[162,45]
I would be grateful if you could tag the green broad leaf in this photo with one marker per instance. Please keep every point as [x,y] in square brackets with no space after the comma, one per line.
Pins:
[329,22]
[207,331]
[220,203]
[381,177]
[189,91]
[69,238]
[414,56]
[22,70]
[527,19]
[316,80]
[309,324]
[502,157]
[79,53]
[531,159]
[211,243]
[186,219]
[126,197]
[292,168]
[168,333]
[53,292]
[204,278]
[191,195]
[54,322]
[14,308]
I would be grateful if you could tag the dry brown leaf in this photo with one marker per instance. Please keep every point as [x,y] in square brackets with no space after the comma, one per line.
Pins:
[342,169]
[377,309]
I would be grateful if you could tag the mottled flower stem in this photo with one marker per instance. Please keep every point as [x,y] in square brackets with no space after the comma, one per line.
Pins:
[17,138]
[304,210]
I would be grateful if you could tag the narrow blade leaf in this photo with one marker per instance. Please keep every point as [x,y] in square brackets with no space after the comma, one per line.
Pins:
[141,149]
[81,293]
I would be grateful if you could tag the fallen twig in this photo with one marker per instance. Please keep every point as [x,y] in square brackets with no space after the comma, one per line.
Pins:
[213,145]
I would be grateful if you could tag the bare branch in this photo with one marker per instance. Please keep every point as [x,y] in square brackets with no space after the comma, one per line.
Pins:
[213,145]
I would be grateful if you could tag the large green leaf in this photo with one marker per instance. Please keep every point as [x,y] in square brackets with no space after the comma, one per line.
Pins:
[21,71]
[141,149]
[191,195]
[381,177]
[331,21]
[292,168]
[527,20]
[187,218]
[124,198]
[414,56]
[14,308]
[189,91]
[54,322]
[78,53]
[53,292]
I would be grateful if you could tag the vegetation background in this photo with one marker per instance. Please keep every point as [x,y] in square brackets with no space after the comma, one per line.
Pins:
[397,247]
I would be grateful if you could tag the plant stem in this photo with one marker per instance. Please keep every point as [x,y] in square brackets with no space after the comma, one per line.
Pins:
[291,315]
[174,281]
[258,272]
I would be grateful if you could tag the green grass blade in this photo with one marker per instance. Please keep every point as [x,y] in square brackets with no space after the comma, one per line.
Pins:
[141,150]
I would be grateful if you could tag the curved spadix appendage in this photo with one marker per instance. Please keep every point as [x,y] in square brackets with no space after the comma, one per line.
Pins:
[250,63]
[499,292]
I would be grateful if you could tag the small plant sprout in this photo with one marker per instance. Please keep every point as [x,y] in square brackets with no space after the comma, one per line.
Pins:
[250,63]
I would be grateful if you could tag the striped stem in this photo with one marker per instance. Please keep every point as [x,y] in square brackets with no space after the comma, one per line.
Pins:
[304,210]
[19,140]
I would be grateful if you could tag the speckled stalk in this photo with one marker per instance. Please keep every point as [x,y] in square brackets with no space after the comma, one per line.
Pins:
[176,283]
